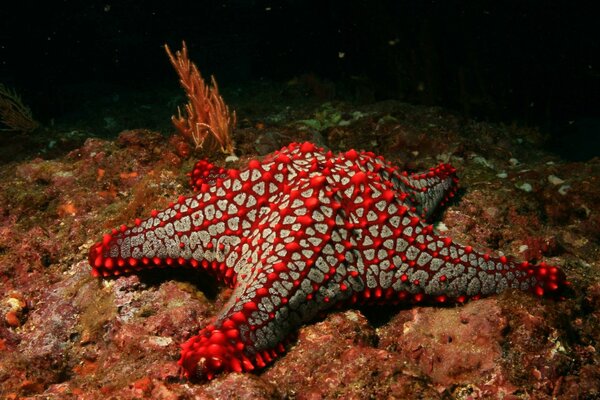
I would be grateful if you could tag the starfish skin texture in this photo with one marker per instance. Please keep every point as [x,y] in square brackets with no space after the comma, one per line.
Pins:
[301,232]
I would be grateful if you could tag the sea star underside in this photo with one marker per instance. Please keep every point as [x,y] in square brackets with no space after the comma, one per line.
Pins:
[302,231]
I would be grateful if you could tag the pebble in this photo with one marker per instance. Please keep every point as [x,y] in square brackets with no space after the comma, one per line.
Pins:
[564,189]
[555,180]
[441,227]
[231,158]
[526,187]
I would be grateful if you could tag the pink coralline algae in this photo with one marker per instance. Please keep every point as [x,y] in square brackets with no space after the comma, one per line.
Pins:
[302,232]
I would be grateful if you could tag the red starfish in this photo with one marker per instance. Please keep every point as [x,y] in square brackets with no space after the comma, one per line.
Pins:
[305,230]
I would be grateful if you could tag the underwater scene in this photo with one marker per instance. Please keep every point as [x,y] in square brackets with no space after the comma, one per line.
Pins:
[255,199]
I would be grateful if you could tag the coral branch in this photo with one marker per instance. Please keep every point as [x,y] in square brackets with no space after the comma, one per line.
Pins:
[207,120]
[15,115]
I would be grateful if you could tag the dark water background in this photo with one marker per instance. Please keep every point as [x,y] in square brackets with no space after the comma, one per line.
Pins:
[530,62]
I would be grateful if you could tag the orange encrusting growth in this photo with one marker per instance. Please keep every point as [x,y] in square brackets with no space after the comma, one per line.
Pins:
[208,121]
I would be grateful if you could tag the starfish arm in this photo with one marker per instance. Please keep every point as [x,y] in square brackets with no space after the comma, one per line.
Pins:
[285,277]
[198,231]
[396,254]
[429,190]
[428,264]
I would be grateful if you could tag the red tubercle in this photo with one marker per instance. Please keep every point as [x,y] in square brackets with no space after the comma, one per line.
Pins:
[551,280]
[538,290]
[212,351]
[218,349]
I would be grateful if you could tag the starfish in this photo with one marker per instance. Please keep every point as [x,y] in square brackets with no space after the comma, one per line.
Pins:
[304,231]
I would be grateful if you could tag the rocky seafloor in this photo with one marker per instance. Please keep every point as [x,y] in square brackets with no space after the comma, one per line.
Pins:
[65,334]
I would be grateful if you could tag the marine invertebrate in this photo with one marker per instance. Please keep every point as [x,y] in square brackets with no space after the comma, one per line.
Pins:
[208,121]
[302,231]
[14,114]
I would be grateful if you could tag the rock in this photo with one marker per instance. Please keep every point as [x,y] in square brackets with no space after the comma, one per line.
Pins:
[555,180]
[452,346]
[336,359]
[238,386]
